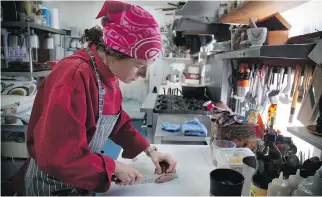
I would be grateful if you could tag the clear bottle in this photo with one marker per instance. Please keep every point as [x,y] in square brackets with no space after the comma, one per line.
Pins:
[269,162]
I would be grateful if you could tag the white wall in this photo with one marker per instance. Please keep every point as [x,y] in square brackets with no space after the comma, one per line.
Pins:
[82,14]
[305,18]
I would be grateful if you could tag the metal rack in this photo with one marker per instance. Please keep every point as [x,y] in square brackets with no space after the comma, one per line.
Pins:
[37,28]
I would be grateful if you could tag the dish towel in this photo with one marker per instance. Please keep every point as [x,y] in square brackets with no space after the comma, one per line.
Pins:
[225,117]
[170,127]
[194,128]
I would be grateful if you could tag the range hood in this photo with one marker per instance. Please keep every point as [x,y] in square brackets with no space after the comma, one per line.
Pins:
[200,9]
[197,26]
[200,17]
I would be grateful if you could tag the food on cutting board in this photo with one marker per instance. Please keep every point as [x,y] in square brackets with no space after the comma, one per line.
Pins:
[165,177]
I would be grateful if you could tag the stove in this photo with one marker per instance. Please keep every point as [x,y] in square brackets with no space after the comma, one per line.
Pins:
[173,104]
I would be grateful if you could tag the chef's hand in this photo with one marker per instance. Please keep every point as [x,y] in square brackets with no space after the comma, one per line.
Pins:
[127,174]
[157,157]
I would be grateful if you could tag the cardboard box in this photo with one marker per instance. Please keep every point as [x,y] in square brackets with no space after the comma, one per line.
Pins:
[277,37]
[277,29]
[240,134]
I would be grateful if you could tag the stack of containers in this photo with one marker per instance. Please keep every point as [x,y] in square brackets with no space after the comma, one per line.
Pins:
[192,77]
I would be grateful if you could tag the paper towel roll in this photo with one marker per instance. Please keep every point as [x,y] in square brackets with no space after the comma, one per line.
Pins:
[57,40]
[54,18]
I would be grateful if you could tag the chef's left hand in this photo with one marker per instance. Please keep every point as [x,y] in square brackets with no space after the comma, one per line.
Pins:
[157,157]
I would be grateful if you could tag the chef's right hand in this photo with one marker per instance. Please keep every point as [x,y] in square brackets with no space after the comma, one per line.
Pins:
[127,174]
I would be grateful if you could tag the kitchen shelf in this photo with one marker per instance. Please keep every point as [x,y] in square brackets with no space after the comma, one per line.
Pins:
[73,49]
[288,51]
[76,37]
[178,59]
[304,134]
[26,74]
[32,25]
[257,10]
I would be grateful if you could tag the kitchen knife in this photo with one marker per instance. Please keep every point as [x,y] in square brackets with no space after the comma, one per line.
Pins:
[145,179]
[152,178]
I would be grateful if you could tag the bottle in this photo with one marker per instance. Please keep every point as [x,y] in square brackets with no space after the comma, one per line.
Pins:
[294,180]
[269,162]
[279,187]
[309,187]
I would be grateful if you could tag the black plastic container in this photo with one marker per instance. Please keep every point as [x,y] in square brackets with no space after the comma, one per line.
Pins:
[226,182]
[193,91]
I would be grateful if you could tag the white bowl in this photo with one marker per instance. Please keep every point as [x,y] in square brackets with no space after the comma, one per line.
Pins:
[257,36]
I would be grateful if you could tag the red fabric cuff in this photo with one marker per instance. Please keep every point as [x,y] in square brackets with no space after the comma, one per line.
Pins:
[109,165]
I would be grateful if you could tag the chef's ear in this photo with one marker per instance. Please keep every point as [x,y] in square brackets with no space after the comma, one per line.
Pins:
[104,20]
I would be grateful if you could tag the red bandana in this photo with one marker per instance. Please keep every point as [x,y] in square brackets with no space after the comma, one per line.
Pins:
[131,30]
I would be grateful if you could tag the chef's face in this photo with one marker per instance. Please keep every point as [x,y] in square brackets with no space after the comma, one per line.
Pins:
[129,70]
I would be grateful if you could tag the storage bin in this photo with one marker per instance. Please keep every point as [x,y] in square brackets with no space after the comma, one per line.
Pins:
[232,158]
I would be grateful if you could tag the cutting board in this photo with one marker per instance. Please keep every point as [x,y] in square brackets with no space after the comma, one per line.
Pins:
[193,168]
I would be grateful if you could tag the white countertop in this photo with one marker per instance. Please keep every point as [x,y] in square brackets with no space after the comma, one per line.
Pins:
[194,163]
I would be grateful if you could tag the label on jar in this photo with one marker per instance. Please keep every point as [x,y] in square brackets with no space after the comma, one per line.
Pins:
[256,191]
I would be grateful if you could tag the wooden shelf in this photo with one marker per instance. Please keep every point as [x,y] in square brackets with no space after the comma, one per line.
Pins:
[257,10]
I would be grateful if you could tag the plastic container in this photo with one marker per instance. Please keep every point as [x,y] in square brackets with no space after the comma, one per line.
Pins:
[218,144]
[232,158]
[224,144]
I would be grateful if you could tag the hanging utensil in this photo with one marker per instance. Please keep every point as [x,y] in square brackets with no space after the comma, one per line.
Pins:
[293,85]
[258,83]
[232,83]
[308,79]
[268,87]
[165,9]
[296,93]
[285,96]
[273,97]
[301,90]
[248,97]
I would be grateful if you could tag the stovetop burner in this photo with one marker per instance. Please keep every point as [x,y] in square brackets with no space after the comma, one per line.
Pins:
[174,104]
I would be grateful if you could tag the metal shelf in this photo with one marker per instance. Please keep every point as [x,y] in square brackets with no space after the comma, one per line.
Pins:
[304,134]
[76,37]
[178,59]
[32,25]
[26,74]
[288,51]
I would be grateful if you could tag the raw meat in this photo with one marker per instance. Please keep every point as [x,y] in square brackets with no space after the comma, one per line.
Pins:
[165,177]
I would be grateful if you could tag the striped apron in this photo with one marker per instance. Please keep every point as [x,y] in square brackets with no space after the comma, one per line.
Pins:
[38,183]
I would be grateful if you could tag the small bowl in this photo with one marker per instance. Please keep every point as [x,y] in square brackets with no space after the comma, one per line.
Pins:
[257,36]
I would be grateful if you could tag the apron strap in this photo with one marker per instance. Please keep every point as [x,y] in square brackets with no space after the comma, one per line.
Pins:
[101,91]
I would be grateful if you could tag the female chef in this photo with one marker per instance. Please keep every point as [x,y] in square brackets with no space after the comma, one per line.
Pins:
[78,107]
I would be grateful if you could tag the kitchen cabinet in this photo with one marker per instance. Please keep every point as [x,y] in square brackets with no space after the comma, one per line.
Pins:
[257,10]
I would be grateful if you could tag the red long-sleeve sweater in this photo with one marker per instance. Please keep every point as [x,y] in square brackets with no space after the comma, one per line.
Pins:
[63,122]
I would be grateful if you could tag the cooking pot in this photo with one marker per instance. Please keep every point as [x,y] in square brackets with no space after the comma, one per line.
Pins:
[195,91]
